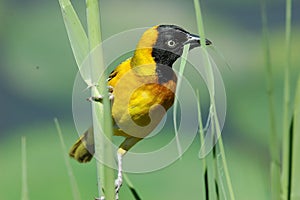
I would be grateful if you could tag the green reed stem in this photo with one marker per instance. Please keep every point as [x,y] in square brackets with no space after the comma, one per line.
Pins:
[205,184]
[75,30]
[131,187]
[273,143]
[74,186]
[181,71]
[285,184]
[295,128]
[81,46]
[212,95]
[101,112]
[25,195]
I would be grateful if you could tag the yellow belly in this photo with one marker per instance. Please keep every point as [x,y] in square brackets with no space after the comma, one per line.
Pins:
[140,102]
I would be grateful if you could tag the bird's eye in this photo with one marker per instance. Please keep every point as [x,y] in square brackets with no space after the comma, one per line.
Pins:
[171,43]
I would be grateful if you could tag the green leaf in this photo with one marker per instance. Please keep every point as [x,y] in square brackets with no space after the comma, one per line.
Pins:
[273,145]
[181,71]
[295,176]
[74,186]
[24,170]
[214,117]
[77,36]
[285,184]
[101,112]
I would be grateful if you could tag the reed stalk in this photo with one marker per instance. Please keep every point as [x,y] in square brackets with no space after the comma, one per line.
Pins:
[273,141]
[210,82]
[285,180]
[74,186]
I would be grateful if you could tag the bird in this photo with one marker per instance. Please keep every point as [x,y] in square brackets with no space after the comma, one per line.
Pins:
[142,89]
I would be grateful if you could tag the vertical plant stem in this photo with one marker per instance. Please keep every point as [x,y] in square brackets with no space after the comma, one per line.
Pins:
[286,110]
[217,178]
[211,177]
[203,46]
[131,187]
[181,71]
[212,95]
[205,184]
[74,186]
[101,114]
[226,171]
[81,47]
[273,143]
[76,33]
[24,170]
[210,81]
[295,128]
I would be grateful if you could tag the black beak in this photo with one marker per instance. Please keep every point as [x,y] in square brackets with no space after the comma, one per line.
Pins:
[194,41]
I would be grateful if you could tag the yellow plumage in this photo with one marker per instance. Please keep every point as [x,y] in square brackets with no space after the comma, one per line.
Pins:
[143,87]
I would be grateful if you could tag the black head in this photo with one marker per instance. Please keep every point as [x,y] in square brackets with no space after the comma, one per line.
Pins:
[170,42]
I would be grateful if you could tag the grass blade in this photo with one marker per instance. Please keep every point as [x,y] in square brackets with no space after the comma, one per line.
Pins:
[205,184]
[211,167]
[295,128]
[273,144]
[212,97]
[181,71]
[74,186]
[211,177]
[25,195]
[217,177]
[75,30]
[101,112]
[286,107]
[203,46]
[81,47]
[221,56]
[131,187]
[225,169]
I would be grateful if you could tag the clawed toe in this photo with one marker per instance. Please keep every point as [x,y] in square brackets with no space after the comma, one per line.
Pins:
[100,98]
[118,184]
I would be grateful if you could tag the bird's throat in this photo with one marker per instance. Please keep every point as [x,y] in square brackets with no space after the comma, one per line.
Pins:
[143,63]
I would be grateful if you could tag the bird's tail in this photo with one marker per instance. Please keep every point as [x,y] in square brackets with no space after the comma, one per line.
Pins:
[83,150]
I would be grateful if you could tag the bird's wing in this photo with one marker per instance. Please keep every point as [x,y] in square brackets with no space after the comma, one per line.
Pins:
[118,73]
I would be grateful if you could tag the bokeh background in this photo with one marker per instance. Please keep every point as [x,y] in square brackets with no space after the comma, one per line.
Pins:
[37,71]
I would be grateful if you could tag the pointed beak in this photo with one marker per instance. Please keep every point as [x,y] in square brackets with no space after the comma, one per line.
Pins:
[194,41]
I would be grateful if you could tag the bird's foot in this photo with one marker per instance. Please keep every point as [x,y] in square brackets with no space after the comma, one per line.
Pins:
[119,180]
[97,99]
[118,184]
[110,89]
[100,98]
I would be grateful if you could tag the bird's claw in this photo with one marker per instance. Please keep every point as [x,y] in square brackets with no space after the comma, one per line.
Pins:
[110,96]
[100,98]
[97,99]
[118,183]
[110,88]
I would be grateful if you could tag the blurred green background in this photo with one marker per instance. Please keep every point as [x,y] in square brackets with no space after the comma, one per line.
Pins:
[37,71]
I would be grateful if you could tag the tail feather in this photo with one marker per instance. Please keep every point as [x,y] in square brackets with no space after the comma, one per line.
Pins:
[83,150]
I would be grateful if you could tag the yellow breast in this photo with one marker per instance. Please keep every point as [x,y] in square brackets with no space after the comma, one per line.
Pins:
[140,102]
